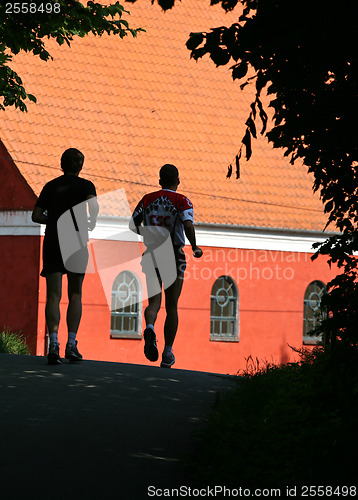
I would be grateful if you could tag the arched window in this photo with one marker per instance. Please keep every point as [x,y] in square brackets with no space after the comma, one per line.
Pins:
[312,314]
[223,310]
[126,306]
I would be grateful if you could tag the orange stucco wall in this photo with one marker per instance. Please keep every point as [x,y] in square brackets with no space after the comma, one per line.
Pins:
[271,287]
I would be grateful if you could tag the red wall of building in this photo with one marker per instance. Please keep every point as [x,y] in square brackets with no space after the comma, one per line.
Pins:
[19,257]
[271,288]
[19,285]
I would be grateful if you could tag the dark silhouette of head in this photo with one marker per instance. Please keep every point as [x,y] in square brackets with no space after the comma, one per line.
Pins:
[72,161]
[169,176]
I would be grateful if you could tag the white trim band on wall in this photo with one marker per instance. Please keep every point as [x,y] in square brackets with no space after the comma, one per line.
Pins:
[19,223]
[258,239]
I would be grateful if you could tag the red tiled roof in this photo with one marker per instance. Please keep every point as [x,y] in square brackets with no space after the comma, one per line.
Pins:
[132,105]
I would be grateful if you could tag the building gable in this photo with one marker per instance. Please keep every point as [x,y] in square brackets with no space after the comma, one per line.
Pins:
[15,193]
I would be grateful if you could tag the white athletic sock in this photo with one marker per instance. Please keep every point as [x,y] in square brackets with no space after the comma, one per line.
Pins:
[151,326]
[167,349]
[71,338]
[53,338]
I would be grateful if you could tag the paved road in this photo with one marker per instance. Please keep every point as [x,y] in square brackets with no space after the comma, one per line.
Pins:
[97,430]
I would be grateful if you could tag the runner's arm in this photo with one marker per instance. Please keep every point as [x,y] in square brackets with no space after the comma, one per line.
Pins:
[190,234]
[38,216]
[93,209]
[135,223]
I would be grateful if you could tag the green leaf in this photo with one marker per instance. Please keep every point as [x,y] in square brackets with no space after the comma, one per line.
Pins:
[239,70]
[329,206]
[195,39]
[250,123]
[263,116]
[237,161]
[198,53]
[220,56]
[247,142]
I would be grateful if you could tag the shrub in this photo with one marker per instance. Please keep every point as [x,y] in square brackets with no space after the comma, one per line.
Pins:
[285,425]
[13,343]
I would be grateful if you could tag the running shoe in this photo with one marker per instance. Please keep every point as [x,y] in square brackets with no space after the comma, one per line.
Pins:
[72,353]
[168,360]
[150,346]
[53,355]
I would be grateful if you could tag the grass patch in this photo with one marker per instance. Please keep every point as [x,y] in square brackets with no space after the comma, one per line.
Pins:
[289,425]
[13,343]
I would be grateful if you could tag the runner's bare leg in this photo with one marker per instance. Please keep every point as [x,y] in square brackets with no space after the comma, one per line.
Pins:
[54,292]
[151,311]
[74,310]
[172,295]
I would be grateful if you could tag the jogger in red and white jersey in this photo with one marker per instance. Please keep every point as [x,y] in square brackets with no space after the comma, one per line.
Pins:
[162,213]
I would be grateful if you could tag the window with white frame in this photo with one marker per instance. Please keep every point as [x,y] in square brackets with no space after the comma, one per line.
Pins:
[312,314]
[126,306]
[224,310]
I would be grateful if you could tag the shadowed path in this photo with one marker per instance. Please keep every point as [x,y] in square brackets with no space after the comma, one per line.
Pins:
[97,430]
